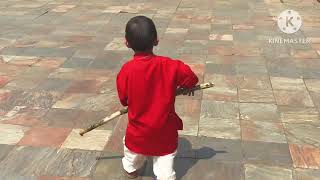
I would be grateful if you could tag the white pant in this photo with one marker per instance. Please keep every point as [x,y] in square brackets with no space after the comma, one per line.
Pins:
[162,165]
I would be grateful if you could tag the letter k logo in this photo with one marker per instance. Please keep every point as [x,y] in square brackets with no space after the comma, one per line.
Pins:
[289,21]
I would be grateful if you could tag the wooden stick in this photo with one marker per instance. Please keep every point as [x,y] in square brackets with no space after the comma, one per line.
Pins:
[125,110]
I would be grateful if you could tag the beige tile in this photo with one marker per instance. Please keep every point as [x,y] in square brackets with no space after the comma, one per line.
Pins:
[93,140]
[258,172]
[313,85]
[282,83]
[117,44]
[11,134]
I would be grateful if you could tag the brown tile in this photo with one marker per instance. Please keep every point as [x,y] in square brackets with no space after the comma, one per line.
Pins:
[189,111]
[85,86]
[262,131]
[293,98]
[45,136]
[254,95]
[305,156]
[27,117]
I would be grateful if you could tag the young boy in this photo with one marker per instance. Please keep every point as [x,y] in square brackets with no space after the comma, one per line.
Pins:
[147,84]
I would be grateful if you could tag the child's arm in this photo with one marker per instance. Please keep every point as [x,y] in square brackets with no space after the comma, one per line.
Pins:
[186,78]
[122,86]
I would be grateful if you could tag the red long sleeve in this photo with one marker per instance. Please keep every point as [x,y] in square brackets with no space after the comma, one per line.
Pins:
[185,76]
[122,86]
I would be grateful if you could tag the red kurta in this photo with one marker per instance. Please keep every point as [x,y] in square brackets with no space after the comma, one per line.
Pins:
[147,85]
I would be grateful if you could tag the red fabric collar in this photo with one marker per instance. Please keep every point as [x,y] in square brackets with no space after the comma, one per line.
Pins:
[142,55]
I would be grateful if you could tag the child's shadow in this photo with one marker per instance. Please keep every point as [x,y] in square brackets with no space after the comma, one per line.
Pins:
[185,159]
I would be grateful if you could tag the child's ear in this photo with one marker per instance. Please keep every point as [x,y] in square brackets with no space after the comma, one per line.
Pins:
[127,44]
[156,42]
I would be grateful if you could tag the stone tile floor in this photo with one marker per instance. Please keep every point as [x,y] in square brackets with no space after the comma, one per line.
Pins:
[59,60]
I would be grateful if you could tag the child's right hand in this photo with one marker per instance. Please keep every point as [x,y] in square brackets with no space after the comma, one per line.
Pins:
[185,91]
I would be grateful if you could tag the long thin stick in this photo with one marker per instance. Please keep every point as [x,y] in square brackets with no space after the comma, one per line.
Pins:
[125,110]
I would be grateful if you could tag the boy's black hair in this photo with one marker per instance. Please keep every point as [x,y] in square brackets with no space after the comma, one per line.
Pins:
[141,33]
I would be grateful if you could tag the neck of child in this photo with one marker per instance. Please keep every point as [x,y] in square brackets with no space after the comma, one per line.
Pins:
[150,51]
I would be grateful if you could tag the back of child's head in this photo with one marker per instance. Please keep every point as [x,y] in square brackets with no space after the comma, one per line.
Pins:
[141,33]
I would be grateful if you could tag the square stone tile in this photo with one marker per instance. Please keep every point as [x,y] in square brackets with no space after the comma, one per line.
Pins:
[306,174]
[266,153]
[208,169]
[299,115]
[253,172]
[225,69]
[262,131]
[6,95]
[24,84]
[221,80]
[27,161]
[117,44]
[176,31]
[110,166]
[242,27]
[84,86]
[189,111]
[313,85]
[24,116]
[77,63]
[251,70]
[255,95]
[282,83]
[5,150]
[293,98]
[89,102]
[302,134]
[4,80]
[188,146]
[11,134]
[44,136]
[224,150]
[306,54]
[221,37]
[219,109]
[93,140]
[219,93]
[62,178]
[219,128]
[50,62]
[316,98]
[259,112]
[70,163]
[254,82]
[70,101]
[34,99]
[305,156]
[53,84]
[75,118]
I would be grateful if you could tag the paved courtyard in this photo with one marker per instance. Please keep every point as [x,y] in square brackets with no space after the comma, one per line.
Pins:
[59,60]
